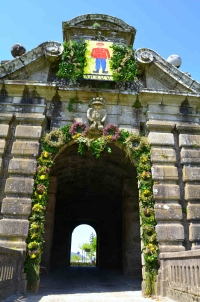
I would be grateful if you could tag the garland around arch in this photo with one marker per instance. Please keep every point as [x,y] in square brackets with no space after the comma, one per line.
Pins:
[137,150]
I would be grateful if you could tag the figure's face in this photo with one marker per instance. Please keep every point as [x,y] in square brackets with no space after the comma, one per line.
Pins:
[97,106]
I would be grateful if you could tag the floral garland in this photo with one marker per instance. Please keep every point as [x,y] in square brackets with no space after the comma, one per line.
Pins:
[136,148]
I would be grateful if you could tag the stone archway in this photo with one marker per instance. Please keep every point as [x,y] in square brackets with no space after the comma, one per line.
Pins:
[103,190]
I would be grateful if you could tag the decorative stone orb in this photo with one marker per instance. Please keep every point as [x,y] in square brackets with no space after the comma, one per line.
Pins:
[18,50]
[174,60]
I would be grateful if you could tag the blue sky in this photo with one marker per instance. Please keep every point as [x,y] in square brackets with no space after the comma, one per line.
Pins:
[81,234]
[166,26]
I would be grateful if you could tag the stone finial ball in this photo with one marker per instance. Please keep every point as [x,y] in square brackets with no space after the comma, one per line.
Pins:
[17,50]
[174,60]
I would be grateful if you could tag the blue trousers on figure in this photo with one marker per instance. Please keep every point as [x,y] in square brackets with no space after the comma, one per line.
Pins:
[101,63]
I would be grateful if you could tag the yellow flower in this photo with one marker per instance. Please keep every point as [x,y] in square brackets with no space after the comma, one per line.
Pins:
[33,256]
[40,196]
[43,176]
[76,136]
[45,154]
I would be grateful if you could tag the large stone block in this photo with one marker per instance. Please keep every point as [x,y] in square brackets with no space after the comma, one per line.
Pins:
[166,192]
[190,156]
[156,125]
[193,211]
[161,139]
[4,130]
[189,140]
[168,211]
[14,227]
[22,166]
[16,206]
[191,173]
[19,185]
[25,148]
[170,232]
[2,146]
[194,232]
[163,155]
[192,192]
[164,173]
[29,132]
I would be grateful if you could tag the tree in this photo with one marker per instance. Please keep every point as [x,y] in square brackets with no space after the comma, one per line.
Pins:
[75,258]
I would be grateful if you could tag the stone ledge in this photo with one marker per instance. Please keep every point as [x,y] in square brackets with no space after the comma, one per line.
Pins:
[188,140]
[14,227]
[160,125]
[22,166]
[185,254]
[166,192]
[164,173]
[16,206]
[163,155]
[168,212]
[28,132]
[169,232]
[4,130]
[19,185]
[190,156]
[192,192]
[24,148]
[191,173]
[161,139]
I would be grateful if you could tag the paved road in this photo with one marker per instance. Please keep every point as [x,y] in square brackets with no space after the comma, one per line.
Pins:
[89,284]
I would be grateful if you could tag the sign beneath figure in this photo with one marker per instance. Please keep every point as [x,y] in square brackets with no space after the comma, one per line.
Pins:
[98,54]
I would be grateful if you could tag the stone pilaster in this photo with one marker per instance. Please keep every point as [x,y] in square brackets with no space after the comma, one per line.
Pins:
[168,211]
[189,142]
[16,206]
[49,224]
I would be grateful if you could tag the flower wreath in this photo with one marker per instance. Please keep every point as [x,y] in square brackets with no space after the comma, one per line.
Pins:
[55,138]
[78,129]
[111,132]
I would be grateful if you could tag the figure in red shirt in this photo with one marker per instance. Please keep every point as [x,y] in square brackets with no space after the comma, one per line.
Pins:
[101,54]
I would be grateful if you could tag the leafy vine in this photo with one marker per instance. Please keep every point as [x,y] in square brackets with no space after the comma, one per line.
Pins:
[73,60]
[122,63]
[137,150]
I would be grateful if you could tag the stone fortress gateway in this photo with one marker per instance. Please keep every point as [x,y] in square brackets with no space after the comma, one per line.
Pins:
[103,192]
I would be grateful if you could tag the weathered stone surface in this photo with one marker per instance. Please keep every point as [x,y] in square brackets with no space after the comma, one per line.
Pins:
[193,211]
[161,139]
[190,156]
[14,227]
[168,211]
[194,232]
[191,173]
[19,185]
[22,166]
[170,232]
[25,148]
[2,146]
[16,206]
[164,173]
[192,192]
[163,155]
[166,192]
[155,125]
[0,165]
[28,132]
[189,140]
[4,130]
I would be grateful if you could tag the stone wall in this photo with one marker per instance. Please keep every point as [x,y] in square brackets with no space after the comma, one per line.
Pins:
[179,276]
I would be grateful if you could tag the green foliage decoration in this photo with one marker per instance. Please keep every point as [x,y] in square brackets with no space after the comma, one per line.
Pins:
[122,63]
[73,60]
[137,150]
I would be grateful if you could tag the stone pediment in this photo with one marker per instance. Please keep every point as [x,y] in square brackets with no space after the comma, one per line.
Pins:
[158,74]
[155,72]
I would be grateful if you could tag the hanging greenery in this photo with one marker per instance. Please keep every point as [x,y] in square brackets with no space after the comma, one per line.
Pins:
[137,150]
[122,63]
[73,60]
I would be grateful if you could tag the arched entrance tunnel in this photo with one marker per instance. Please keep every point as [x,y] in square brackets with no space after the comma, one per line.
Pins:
[102,193]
